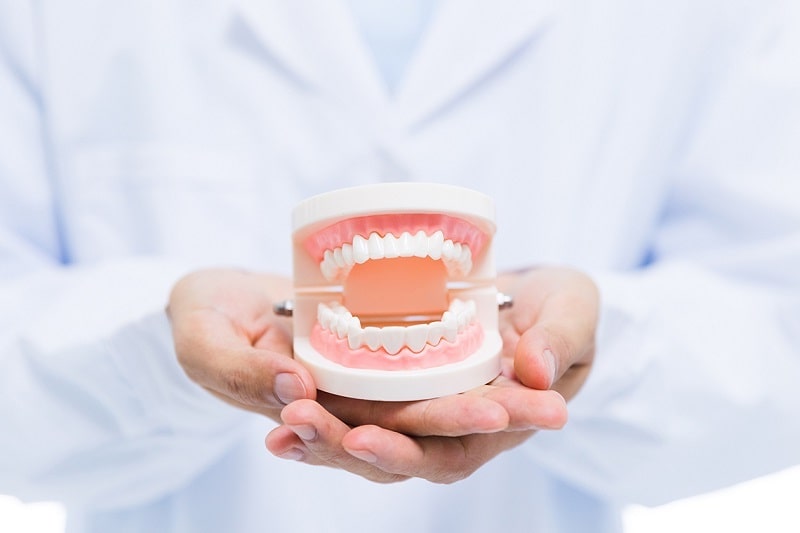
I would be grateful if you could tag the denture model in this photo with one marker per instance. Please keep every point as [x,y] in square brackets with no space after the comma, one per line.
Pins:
[394,291]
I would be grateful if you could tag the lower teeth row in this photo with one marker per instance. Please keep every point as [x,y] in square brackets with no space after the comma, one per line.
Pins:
[338,320]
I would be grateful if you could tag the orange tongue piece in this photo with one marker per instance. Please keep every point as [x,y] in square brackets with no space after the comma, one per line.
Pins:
[396,287]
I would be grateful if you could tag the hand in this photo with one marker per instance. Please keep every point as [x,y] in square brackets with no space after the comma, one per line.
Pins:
[446,439]
[229,341]
[549,333]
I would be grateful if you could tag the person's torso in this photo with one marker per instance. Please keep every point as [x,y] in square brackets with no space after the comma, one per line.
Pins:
[192,131]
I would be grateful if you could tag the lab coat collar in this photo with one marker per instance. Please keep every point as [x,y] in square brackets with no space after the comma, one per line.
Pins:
[465,42]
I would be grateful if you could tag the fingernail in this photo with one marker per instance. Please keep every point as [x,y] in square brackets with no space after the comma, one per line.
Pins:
[306,433]
[364,455]
[293,454]
[288,388]
[550,362]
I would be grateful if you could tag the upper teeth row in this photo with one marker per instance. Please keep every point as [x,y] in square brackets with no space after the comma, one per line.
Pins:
[337,263]
[338,320]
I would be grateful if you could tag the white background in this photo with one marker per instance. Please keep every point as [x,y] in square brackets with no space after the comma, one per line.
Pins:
[766,505]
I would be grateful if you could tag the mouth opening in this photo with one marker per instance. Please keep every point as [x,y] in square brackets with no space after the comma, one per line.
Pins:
[395,310]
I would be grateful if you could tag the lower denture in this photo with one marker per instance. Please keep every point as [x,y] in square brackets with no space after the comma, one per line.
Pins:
[446,352]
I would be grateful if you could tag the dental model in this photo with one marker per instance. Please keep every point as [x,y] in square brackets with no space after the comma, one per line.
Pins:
[394,291]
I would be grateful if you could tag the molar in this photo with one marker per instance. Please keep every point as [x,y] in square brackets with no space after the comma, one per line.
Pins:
[342,324]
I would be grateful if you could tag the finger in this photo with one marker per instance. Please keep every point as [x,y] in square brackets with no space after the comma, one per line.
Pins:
[563,335]
[526,408]
[546,351]
[455,415]
[284,443]
[437,459]
[321,433]
[219,357]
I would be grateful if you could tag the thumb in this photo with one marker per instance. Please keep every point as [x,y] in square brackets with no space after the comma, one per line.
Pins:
[260,377]
[548,351]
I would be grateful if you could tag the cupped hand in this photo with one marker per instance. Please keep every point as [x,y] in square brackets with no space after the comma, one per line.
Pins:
[548,344]
[228,339]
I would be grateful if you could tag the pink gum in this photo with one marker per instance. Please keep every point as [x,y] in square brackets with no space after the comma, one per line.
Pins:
[338,351]
[342,232]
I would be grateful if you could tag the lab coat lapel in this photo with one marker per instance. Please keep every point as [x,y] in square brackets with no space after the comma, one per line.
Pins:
[466,42]
[314,43]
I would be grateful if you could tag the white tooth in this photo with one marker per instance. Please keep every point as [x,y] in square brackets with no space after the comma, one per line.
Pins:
[404,245]
[354,333]
[347,255]
[435,243]
[337,257]
[392,338]
[450,323]
[417,337]
[463,320]
[459,310]
[375,245]
[333,323]
[328,269]
[360,249]
[472,311]
[420,244]
[447,250]
[372,337]
[329,319]
[333,320]
[465,261]
[342,324]
[456,251]
[321,317]
[390,250]
[435,332]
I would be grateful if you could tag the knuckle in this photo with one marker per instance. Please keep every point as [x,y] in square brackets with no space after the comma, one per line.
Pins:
[563,349]
[240,384]
[464,463]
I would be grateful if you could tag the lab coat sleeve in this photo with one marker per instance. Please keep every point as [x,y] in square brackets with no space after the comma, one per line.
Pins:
[695,384]
[93,405]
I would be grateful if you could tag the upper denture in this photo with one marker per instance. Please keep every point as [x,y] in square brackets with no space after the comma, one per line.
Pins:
[344,232]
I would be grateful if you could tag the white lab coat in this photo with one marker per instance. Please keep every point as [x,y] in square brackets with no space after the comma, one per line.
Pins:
[653,144]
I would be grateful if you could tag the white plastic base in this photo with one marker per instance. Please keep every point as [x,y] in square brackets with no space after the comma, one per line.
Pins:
[403,385]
